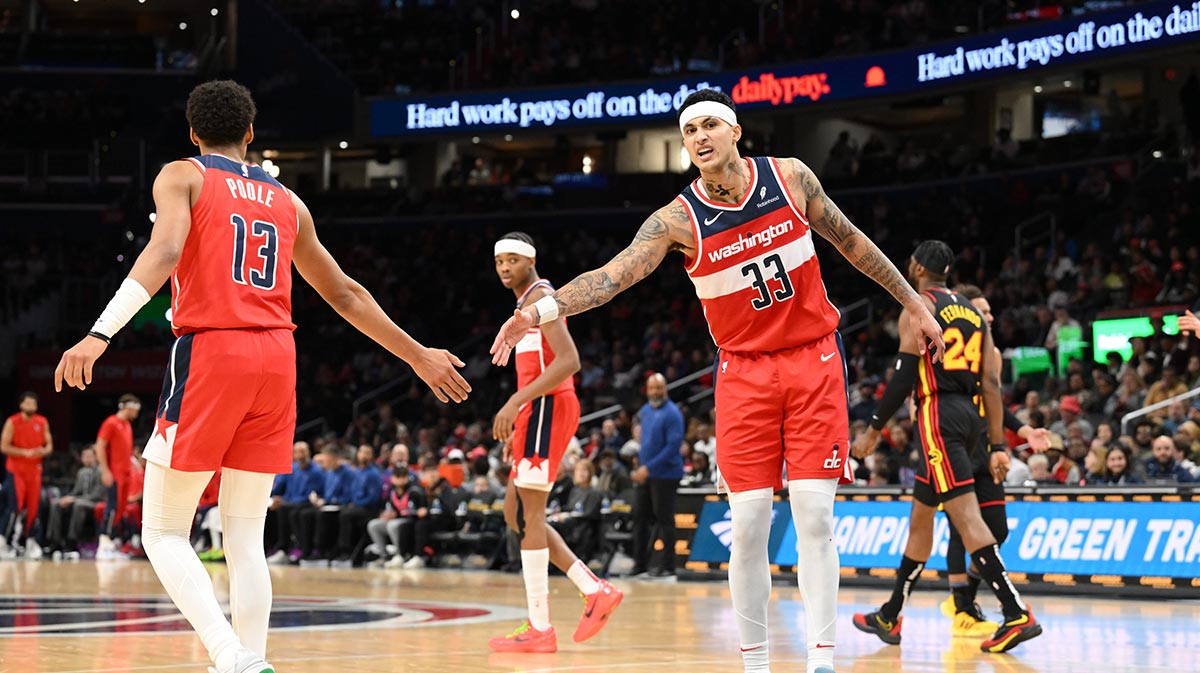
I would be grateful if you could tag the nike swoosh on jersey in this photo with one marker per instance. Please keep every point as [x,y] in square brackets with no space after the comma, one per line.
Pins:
[714,219]
[827,358]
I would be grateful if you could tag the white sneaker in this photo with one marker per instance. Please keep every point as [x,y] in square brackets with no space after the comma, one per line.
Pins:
[105,544]
[70,556]
[396,561]
[3,544]
[33,550]
[414,562]
[279,558]
[246,662]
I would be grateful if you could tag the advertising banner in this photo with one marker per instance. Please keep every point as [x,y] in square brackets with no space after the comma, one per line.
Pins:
[972,58]
[1157,539]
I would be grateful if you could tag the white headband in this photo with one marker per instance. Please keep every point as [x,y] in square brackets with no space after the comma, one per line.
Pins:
[514,246]
[707,108]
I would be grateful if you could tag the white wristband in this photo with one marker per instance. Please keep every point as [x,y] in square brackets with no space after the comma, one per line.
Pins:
[547,308]
[128,300]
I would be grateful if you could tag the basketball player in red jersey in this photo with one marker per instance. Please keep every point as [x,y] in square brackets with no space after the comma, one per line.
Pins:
[25,441]
[226,236]
[545,412]
[745,228]
[114,453]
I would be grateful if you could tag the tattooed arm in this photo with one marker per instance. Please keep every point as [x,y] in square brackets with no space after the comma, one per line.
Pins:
[665,230]
[825,218]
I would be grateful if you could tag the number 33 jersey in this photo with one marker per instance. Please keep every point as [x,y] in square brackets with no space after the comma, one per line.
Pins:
[236,267]
[756,270]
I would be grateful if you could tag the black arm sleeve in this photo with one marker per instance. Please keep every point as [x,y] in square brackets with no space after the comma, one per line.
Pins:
[898,389]
[1011,422]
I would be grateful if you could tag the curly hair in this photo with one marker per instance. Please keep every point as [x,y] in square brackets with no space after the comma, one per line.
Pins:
[220,111]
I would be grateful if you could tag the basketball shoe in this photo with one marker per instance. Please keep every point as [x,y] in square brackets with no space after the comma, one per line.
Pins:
[1012,633]
[972,624]
[597,607]
[246,662]
[526,639]
[873,622]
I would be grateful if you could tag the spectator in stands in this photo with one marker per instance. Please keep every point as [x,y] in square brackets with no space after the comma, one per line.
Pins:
[1033,402]
[1093,465]
[1069,411]
[579,521]
[1162,465]
[1119,468]
[1039,470]
[289,496]
[1143,438]
[705,442]
[1018,470]
[1129,396]
[76,507]
[1164,389]
[614,478]
[864,408]
[315,525]
[661,468]
[632,448]
[1061,319]
[700,474]
[1062,468]
[1176,416]
[612,438]
[366,499]
[405,501]
[1183,452]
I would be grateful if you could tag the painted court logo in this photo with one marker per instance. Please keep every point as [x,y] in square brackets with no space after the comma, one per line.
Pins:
[83,615]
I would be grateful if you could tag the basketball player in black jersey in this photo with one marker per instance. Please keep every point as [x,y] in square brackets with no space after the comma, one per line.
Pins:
[950,427]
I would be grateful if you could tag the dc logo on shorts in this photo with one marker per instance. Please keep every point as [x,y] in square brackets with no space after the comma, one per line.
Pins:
[834,462]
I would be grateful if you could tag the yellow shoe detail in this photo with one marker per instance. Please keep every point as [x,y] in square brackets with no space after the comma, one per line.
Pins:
[967,626]
[948,607]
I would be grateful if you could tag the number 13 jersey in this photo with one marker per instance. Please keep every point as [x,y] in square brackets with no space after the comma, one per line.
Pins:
[236,268]
[756,270]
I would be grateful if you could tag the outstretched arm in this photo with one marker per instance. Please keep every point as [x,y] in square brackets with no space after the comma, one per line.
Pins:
[827,219]
[352,301]
[666,230]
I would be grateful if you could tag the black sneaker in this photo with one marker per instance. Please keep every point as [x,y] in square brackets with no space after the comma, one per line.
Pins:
[873,622]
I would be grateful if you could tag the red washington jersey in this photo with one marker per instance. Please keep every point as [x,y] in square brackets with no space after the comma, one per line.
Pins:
[236,267]
[28,433]
[534,353]
[755,270]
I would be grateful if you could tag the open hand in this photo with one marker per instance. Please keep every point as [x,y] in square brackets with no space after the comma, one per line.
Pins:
[510,333]
[865,443]
[502,427]
[1189,324]
[438,369]
[75,367]
[999,463]
[1039,440]
[926,328]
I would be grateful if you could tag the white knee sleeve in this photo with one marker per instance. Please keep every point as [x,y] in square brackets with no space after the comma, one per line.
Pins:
[749,565]
[243,503]
[817,570]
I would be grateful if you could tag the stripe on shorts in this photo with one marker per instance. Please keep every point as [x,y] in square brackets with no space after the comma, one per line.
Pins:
[175,380]
[537,435]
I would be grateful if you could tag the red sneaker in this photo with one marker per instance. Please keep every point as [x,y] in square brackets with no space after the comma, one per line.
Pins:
[596,609]
[526,639]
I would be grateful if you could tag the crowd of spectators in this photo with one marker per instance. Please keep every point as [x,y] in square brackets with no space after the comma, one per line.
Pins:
[395,48]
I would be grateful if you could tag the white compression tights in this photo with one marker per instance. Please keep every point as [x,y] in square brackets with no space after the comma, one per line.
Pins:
[750,573]
[168,509]
[817,570]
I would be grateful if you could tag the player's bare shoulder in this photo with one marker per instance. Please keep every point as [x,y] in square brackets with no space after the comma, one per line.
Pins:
[801,181]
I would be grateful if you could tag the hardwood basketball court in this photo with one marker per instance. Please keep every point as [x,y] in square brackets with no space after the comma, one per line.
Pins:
[113,617]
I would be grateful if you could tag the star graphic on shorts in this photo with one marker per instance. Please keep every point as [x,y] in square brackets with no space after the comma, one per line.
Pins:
[160,427]
[535,461]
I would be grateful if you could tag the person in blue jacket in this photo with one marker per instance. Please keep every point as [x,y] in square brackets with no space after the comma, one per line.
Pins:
[366,499]
[658,474]
[290,494]
[312,530]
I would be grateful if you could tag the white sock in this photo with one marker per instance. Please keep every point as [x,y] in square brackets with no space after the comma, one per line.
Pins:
[817,570]
[535,566]
[243,503]
[583,577]
[750,574]
[169,505]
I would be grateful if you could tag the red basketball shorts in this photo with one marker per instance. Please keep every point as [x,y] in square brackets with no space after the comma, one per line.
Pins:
[787,407]
[228,400]
[543,429]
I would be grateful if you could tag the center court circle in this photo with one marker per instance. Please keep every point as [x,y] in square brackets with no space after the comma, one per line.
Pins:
[89,615]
